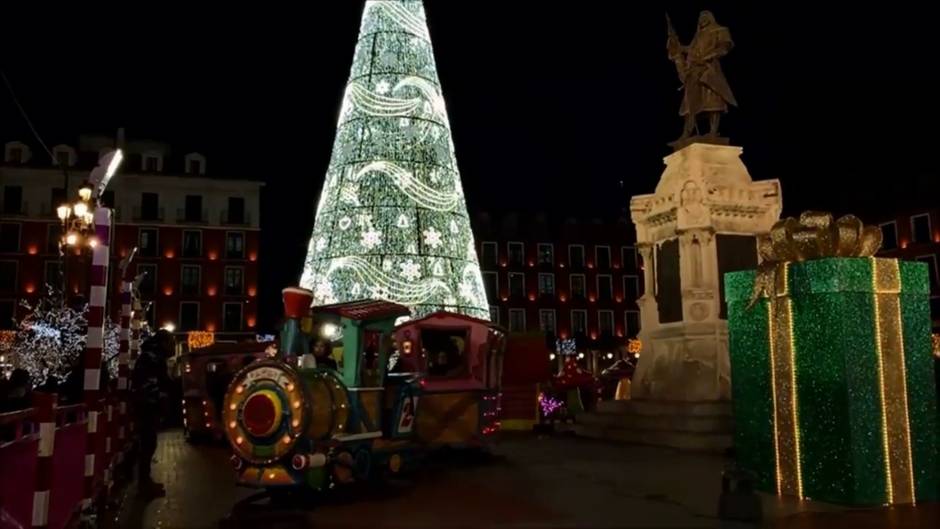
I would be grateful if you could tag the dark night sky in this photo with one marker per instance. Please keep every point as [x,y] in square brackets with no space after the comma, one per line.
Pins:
[552,103]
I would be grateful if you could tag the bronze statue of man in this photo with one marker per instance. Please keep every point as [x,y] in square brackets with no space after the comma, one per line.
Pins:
[705,89]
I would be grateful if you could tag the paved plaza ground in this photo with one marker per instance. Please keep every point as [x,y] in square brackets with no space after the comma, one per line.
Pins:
[530,482]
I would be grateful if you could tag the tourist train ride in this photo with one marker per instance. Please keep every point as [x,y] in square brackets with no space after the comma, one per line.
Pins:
[350,394]
[205,375]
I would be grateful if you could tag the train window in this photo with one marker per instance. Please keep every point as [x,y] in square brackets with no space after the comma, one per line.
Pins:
[446,352]
[370,375]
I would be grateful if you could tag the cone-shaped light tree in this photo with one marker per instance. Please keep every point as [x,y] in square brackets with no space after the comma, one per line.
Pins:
[391,222]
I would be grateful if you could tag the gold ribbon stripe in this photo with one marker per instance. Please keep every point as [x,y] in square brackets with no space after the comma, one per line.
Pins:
[892,381]
[783,383]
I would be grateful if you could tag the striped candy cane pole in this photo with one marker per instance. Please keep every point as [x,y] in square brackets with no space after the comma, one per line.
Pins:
[123,359]
[94,343]
[45,416]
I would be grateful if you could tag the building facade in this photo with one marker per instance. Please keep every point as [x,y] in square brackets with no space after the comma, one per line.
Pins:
[196,235]
[566,277]
[914,235]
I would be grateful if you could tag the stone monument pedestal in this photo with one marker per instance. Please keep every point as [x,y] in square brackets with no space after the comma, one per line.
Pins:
[701,222]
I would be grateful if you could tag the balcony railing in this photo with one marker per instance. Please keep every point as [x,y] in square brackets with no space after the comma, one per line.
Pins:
[192,217]
[148,216]
[234,220]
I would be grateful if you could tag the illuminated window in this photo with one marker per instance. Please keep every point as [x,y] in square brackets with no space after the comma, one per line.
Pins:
[546,254]
[546,284]
[147,242]
[234,280]
[235,245]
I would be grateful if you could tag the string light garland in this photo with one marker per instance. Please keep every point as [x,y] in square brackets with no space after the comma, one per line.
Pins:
[199,339]
[391,222]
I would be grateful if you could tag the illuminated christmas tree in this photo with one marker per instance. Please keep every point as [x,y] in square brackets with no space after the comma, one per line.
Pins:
[391,222]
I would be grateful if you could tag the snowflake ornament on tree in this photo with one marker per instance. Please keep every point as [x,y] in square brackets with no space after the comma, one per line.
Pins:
[371,238]
[410,270]
[432,237]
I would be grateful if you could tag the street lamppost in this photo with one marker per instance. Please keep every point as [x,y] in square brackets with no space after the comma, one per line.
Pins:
[78,218]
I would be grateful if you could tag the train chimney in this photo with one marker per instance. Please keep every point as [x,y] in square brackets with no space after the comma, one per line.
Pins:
[297,303]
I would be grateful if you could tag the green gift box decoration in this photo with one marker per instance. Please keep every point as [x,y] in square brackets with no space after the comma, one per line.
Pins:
[832,367]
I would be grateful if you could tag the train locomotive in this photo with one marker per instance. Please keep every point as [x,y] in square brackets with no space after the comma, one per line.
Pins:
[351,395]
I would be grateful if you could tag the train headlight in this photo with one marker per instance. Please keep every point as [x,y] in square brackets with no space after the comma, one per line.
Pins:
[330,331]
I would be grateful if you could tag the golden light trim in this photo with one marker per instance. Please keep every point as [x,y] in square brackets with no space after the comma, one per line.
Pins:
[788,458]
[773,390]
[881,386]
[892,379]
[794,402]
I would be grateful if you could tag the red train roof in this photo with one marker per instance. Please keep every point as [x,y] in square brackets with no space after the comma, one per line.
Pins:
[445,314]
[367,309]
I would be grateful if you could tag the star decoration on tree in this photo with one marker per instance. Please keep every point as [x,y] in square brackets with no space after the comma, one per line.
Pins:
[432,237]
[410,270]
[382,87]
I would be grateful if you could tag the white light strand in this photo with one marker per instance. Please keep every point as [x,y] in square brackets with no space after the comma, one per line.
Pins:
[425,195]
[406,292]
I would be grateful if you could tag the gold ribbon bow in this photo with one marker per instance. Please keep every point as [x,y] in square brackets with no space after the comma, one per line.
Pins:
[813,236]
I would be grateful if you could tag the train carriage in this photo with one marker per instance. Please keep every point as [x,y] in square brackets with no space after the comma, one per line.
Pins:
[351,394]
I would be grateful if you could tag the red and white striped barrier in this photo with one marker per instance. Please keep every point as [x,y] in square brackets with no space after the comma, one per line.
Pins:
[45,404]
[123,362]
[94,343]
